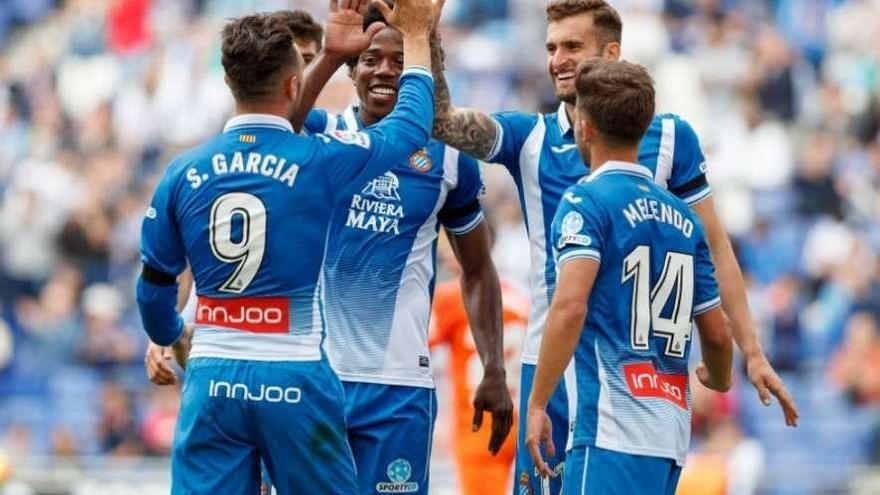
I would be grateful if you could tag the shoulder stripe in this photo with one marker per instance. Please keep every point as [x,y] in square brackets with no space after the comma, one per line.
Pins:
[666,153]
[499,139]
[331,123]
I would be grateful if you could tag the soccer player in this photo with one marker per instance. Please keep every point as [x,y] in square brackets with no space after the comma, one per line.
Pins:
[479,472]
[380,272]
[634,273]
[308,36]
[249,210]
[540,153]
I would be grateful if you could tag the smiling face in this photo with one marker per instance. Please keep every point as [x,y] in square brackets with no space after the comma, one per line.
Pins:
[376,75]
[571,41]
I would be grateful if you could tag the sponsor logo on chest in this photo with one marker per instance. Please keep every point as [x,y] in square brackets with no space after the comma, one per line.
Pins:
[377,208]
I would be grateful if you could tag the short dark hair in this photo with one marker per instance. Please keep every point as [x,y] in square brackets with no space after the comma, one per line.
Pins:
[375,15]
[303,26]
[618,99]
[606,20]
[257,51]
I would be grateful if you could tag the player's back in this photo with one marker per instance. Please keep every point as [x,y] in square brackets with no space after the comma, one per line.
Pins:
[253,213]
[631,362]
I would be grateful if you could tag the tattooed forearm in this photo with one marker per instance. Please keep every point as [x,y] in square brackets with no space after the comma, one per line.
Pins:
[468,130]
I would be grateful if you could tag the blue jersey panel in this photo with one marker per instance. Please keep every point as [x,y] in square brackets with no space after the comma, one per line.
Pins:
[655,274]
[380,265]
[250,210]
[541,155]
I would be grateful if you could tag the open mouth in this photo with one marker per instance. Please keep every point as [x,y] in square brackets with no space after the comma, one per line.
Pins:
[383,91]
[565,76]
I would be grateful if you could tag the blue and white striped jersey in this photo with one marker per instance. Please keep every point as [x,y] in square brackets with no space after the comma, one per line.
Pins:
[655,274]
[250,212]
[540,153]
[380,266]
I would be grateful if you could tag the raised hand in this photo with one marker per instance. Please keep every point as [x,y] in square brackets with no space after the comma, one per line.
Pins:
[413,18]
[437,14]
[345,36]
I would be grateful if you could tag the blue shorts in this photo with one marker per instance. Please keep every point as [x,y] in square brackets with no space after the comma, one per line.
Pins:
[595,471]
[526,481]
[390,430]
[234,413]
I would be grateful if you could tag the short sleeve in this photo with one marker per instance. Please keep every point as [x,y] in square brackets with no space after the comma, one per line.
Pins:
[706,294]
[513,128]
[688,180]
[161,244]
[317,122]
[462,211]
[579,227]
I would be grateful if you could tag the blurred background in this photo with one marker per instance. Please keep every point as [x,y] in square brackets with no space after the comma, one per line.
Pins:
[96,95]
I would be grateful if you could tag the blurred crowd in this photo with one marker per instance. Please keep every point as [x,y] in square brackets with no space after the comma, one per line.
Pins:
[96,95]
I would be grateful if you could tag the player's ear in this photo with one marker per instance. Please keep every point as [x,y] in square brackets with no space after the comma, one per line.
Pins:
[291,87]
[611,51]
[587,131]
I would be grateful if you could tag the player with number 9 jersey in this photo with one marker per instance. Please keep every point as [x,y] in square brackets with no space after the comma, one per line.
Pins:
[249,211]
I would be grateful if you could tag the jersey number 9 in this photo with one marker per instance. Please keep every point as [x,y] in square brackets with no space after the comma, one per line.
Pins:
[249,248]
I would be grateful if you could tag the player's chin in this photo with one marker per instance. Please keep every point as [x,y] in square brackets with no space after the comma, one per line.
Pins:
[566,93]
[382,105]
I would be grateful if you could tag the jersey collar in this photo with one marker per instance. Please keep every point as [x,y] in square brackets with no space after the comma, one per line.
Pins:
[352,121]
[564,123]
[614,167]
[258,120]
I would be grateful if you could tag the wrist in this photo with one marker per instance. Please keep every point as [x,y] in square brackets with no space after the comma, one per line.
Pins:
[494,370]
[421,37]
[753,351]
[331,58]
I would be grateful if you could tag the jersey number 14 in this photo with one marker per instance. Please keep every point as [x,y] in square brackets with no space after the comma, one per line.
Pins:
[646,313]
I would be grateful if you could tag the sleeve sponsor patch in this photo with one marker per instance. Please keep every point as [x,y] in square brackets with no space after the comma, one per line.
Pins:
[355,138]
[572,224]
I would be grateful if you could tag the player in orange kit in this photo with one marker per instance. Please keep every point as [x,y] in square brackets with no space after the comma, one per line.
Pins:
[480,472]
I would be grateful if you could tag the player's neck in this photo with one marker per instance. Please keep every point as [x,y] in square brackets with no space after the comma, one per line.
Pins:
[366,117]
[268,108]
[600,154]
[569,112]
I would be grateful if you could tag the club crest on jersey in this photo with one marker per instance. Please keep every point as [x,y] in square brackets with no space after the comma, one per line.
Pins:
[399,472]
[377,208]
[572,224]
[420,161]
